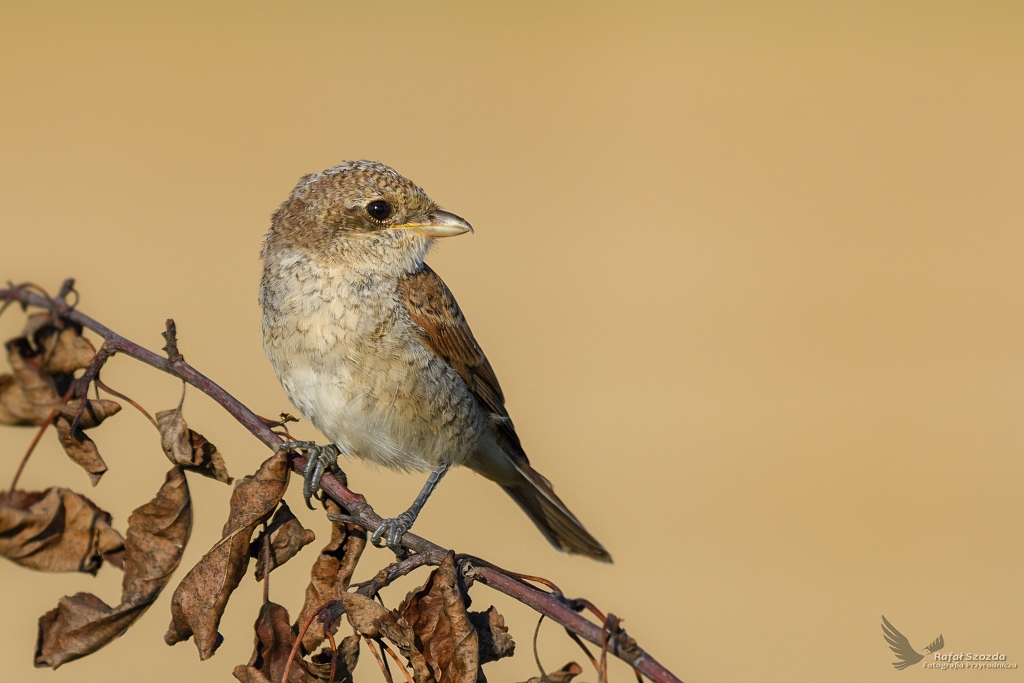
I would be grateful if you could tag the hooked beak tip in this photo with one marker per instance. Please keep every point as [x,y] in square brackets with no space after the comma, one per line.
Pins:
[438,224]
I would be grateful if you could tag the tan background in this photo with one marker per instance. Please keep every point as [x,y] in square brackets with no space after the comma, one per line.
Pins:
[751,280]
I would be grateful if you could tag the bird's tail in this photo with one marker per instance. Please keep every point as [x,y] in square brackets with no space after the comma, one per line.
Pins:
[537,498]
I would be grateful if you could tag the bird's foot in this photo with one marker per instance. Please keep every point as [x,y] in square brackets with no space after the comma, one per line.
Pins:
[319,459]
[392,530]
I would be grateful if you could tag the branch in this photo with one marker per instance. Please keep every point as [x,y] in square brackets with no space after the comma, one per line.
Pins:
[551,604]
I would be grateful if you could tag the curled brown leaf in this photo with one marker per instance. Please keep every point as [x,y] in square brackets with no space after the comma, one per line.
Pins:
[157,534]
[63,348]
[29,394]
[57,530]
[189,448]
[80,448]
[563,675]
[444,634]
[199,600]
[495,641]
[331,573]
[287,538]
[247,674]
[93,413]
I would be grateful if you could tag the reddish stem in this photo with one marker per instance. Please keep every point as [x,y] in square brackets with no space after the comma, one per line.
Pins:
[401,666]
[31,447]
[132,403]
[334,655]
[380,661]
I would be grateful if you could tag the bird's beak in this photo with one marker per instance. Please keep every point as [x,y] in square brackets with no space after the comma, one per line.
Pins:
[438,224]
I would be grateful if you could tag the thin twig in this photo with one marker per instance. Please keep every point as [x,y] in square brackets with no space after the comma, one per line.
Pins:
[81,385]
[401,666]
[395,571]
[586,650]
[171,347]
[28,452]
[536,655]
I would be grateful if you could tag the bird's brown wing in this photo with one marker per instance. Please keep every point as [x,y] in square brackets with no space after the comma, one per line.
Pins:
[444,330]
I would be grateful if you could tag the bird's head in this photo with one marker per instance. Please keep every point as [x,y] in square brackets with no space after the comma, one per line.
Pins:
[361,211]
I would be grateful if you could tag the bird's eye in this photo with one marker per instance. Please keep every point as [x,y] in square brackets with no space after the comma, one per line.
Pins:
[379,210]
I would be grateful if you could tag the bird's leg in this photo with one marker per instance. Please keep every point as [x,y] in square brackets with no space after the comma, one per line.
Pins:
[396,527]
[318,460]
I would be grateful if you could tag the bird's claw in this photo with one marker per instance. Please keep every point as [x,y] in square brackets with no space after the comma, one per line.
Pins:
[392,530]
[319,459]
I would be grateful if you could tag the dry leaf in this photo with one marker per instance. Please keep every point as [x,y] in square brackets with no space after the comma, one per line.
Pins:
[29,395]
[189,448]
[444,634]
[493,636]
[274,640]
[81,449]
[331,573]
[201,597]
[57,531]
[15,408]
[63,350]
[248,674]
[59,342]
[287,538]
[365,614]
[66,352]
[77,445]
[157,534]
[94,413]
[563,675]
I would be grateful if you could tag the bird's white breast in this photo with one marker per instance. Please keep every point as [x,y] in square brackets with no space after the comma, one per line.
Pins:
[349,359]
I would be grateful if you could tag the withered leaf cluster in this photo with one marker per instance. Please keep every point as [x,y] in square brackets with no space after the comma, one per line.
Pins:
[58,530]
[156,538]
[43,361]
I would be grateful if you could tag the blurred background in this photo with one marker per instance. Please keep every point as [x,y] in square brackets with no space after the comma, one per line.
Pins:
[750,275]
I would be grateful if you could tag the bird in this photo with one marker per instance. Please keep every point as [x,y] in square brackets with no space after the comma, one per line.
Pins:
[904,651]
[372,348]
